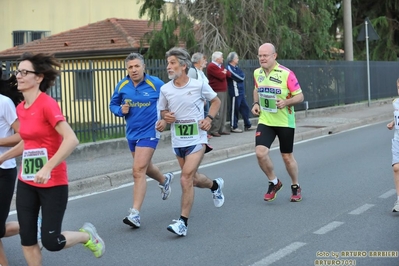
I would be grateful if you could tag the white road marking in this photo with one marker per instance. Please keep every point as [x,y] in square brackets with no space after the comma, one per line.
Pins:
[361,209]
[388,194]
[272,258]
[327,228]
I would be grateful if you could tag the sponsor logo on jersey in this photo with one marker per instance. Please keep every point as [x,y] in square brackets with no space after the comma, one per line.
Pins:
[137,104]
[270,90]
[275,78]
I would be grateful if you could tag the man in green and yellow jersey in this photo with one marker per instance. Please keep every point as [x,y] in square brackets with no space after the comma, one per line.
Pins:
[276,92]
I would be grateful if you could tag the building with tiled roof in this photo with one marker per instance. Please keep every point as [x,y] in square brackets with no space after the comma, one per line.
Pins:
[25,21]
[92,62]
[108,37]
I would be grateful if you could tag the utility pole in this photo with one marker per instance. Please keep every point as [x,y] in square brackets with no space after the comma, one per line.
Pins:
[367,33]
[348,39]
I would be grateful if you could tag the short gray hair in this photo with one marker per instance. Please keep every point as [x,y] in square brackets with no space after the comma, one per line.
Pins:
[231,57]
[182,55]
[216,55]
[196,57]
[133,56]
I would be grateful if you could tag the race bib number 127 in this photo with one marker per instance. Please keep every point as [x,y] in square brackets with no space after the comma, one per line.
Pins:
[188,130]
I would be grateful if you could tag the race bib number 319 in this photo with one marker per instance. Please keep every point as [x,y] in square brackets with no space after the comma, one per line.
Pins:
[32,161]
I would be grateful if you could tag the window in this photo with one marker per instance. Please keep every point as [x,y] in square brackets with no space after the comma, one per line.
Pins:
[83,85]
[24,36]
[18,38]
[55,91]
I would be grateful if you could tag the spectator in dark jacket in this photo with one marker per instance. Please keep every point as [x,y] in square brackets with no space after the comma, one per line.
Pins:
[217,75]
[236,89]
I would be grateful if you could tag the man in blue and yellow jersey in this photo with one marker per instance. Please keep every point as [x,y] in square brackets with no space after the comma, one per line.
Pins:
[276,92]
[135,98]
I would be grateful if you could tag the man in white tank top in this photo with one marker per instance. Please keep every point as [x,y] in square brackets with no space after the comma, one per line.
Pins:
[181,103]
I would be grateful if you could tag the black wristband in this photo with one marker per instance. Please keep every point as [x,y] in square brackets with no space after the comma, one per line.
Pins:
[210,117]
[255,103]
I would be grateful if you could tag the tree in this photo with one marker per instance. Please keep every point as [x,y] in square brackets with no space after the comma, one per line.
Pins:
[384,16]
[171,27]
[299,29]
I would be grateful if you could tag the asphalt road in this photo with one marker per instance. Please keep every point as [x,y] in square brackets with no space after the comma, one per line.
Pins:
[348,195]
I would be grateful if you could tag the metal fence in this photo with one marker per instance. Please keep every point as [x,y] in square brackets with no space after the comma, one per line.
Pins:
[85,88]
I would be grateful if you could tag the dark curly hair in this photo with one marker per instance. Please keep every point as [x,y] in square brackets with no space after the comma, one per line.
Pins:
[9,88]
[43,64]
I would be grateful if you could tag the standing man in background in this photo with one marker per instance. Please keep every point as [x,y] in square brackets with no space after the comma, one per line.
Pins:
[236,89]
[217,76]
[276,92]
[196,72]
[135,98]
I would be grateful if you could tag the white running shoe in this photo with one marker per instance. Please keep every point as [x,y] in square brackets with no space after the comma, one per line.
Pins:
[218,197]
[165,188]
[178,227]
[396,207]
[133,219]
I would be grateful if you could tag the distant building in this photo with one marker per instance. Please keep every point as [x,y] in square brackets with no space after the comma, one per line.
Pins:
[26,20]
[109,37]
[92,60]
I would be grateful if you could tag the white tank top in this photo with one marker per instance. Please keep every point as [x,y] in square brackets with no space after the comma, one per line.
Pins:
[8,116]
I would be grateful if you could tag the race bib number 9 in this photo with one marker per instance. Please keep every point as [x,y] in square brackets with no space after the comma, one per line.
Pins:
[187,130]
[32,161]
[267,102]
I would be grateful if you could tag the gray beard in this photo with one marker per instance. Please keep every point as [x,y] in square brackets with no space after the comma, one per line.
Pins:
[174,76]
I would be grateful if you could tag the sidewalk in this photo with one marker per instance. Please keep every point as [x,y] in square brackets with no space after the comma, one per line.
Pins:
[103,165]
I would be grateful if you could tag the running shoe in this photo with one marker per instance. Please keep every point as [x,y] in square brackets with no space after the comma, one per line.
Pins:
[95,243]
[217,195]
[165,188]
[396,207]
[178,228]
[39,232]
[296,193]
[272,191]
[133,219]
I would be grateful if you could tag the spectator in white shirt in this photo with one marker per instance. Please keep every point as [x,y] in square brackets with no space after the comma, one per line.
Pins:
[199,63]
